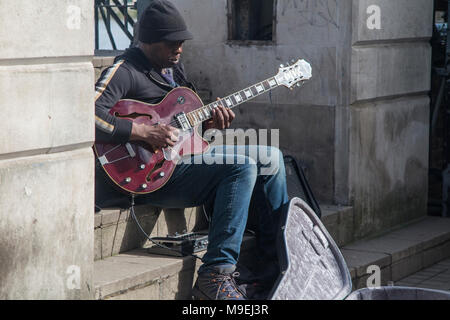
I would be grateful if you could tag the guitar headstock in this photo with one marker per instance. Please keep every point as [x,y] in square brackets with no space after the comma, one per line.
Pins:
[294,74]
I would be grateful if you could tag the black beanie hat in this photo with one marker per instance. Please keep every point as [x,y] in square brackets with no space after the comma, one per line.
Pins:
[161,21]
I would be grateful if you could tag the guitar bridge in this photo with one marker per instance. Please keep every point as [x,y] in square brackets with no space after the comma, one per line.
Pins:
[182,121]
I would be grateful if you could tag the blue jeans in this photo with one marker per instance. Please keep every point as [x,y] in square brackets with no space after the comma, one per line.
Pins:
[229,177]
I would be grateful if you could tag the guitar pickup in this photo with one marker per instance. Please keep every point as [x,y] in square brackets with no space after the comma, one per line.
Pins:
[183,121]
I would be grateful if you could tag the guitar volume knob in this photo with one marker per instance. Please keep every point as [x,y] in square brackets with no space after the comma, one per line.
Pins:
[142,166]
[127,179]
[161,174]
[144,186]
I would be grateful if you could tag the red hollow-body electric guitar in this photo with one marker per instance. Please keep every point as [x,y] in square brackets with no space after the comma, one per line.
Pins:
[138,169]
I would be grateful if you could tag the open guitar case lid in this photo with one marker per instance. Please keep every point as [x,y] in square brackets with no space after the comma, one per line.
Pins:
[313,268]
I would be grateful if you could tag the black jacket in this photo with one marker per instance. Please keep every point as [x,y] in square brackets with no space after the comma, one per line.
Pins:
[130,77]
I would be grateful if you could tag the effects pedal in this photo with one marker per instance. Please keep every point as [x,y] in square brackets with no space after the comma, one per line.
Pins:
[180,244]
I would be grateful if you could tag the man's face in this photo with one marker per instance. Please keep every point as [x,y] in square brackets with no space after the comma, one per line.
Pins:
[166,54]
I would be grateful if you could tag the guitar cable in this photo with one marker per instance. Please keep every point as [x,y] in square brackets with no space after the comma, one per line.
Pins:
[153,241]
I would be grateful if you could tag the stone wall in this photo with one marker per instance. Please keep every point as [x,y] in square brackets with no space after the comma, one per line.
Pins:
[389,113]
[317,31]
[46,160]
[360,125]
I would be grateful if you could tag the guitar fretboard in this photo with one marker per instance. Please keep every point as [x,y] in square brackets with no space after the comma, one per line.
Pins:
[199,115]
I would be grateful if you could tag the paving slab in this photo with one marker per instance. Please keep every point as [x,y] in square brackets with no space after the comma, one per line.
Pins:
[434,277]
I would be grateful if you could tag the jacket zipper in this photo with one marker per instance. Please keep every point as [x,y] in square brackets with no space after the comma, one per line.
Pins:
[157,81]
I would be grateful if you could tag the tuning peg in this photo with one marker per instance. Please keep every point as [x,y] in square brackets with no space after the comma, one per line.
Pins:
[292,61]
[281,65]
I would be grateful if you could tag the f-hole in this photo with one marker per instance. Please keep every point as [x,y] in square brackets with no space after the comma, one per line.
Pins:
[133,115]
[157,166]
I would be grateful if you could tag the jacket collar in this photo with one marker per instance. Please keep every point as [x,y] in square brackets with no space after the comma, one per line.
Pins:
[136,57]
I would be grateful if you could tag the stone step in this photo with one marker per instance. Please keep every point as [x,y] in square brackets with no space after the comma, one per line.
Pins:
[137,275]
[399,253]
[116,231]
[124,269]
[436,277]
[339,223]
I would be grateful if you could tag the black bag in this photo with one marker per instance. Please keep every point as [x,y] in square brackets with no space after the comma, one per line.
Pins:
[297,184]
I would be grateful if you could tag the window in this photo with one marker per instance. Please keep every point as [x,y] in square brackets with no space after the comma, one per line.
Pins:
[251,20]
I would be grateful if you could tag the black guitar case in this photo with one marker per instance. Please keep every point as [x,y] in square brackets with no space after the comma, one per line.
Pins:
[297,184]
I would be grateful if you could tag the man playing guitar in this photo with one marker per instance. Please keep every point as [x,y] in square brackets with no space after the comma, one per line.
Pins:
[148,73]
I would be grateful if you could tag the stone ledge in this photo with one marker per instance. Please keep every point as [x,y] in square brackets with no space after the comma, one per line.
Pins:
[401,252]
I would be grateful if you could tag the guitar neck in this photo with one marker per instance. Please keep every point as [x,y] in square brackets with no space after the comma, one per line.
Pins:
[202,114]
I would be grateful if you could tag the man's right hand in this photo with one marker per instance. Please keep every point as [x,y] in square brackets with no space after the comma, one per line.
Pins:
[157,136]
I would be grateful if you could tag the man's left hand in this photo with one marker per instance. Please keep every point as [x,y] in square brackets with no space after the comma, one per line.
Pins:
[221,118]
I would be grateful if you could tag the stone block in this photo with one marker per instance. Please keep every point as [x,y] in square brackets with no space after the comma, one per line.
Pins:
[56,113]
[137,274]
[436,254]
[388,188]
[301,140]
[201,28]
[346,226]
[46,28]
[400,19]
[258,63]
[390,70]
[385,279]
[339,223]
[331,222]
[177,220]
[47,208]
[123,272]
[112,237]
[178,286]
[312,22]
[97,220]
[360,260]
[429,232]
[407,266]
[97,243]
[398,249]
[147,292]
[120,232]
